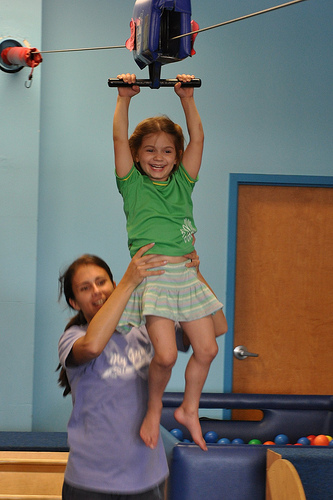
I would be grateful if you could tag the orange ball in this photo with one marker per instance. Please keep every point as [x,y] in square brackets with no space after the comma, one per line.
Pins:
[320,440]
[269,443]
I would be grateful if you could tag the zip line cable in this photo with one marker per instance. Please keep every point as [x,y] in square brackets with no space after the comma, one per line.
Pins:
[239,18]
[82,49]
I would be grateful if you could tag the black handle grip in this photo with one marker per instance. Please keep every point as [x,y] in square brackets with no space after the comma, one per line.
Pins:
[171,82]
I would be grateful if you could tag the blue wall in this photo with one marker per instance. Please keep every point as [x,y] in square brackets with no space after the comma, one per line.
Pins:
[266,105]
[19,164]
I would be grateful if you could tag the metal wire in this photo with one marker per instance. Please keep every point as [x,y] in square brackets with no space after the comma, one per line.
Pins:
[81,49]
[239,19]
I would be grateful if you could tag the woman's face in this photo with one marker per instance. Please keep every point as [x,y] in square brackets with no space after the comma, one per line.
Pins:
[92,286]
[157,156]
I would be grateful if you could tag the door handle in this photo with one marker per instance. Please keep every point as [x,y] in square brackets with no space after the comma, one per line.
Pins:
[241,352]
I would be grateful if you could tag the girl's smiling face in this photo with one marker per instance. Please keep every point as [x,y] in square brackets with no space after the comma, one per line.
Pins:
[92,286]
[157,156]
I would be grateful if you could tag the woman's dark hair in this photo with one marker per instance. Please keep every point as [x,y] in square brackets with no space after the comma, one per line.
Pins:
[154,125]
[66,289]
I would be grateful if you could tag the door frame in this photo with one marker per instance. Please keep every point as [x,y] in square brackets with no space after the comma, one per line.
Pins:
[236,180]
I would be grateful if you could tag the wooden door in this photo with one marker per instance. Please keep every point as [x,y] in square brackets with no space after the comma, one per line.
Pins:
[283,307]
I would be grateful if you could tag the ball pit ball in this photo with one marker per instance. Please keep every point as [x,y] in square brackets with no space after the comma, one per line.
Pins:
[211,437]
[224,441]
[320,440]
[330,443]
[237,441]
[177,433]
[311,437]
[304,441]
[269,443]
[281,439]
[254,441]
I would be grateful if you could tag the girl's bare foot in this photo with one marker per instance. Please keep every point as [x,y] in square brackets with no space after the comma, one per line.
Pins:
[191,421]
[150,429]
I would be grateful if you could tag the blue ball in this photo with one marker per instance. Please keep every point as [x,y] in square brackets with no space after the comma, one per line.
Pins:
[224,441]
[281,439]
[304,441]
[211,437]
[187,441]
[237,441]
[177,433]
[330,443]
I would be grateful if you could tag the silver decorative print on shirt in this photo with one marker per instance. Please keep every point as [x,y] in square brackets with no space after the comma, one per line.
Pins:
[130,361]
[187,230]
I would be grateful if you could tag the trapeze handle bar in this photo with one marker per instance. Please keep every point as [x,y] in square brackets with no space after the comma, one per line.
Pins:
[170,82]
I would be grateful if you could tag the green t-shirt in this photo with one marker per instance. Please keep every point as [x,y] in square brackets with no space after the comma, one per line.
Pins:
[159,212]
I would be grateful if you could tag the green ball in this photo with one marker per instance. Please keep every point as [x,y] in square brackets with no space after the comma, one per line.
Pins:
[255,441]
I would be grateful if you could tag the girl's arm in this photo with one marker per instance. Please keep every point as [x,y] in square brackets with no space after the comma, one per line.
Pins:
[122,153]
[193,153]
[105,321]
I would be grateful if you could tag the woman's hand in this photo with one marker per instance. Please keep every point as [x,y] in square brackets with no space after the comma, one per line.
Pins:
[195,261]
[142,266]
[131,91]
